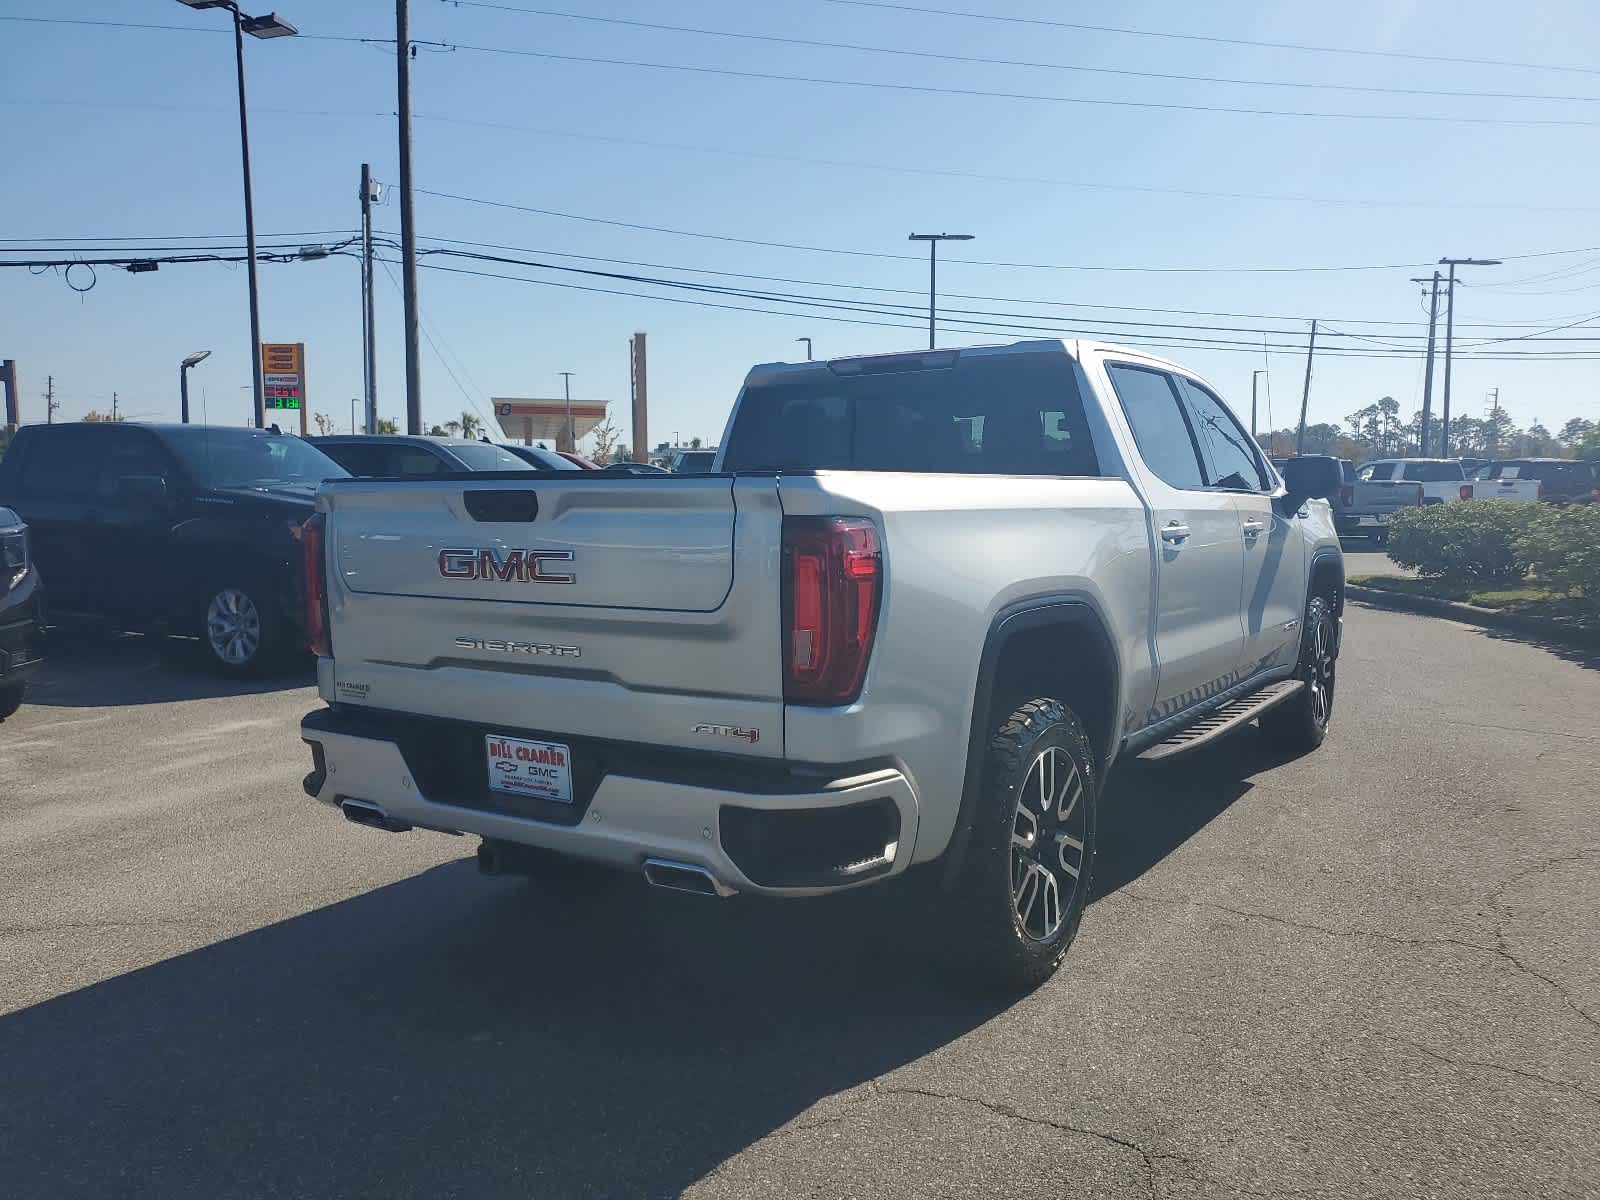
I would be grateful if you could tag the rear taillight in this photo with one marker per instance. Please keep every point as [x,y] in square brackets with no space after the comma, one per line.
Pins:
[315,589]
[1466,491]
[832,583]
[1347,495]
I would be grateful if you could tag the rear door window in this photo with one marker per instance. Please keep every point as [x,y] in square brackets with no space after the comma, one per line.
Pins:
[411,461]
[1432,472]
[129,455]
[62,465]
[1377,472]
[941,412]
[1160,425]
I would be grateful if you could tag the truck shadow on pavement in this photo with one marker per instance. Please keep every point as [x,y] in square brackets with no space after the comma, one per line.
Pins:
[92,669]
[452,1035]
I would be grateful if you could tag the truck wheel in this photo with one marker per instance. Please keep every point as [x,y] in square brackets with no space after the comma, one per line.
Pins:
[11,698]
[240,629]
[1300,724]
[1026,875]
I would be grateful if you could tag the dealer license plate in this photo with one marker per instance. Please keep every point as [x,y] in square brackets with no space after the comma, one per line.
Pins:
[521,767]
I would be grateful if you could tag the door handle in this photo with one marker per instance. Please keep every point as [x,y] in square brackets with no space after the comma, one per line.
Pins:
[1174,532]
[1252,529]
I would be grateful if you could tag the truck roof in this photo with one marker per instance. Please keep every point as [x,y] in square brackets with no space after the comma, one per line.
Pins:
[1072,347]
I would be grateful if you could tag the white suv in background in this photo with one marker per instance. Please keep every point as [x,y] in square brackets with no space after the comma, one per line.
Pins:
[1441,478]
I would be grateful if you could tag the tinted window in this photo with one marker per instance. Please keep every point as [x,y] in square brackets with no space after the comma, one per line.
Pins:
[696,462]
[544,460]
[1159,426]
[967,414]
[225,458]
[412,461]
[1224,446]
[483,456]
[130,455]
[1377,471]
[61,464]
[1432,472]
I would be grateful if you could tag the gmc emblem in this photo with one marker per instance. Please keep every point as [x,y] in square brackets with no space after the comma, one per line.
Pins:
[520,566]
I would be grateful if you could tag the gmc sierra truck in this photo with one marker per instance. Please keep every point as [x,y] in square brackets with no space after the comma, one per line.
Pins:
[910,621]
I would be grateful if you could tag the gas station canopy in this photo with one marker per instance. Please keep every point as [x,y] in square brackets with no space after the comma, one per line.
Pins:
[546,420]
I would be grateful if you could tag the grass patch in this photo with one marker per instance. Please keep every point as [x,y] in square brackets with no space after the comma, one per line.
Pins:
[1524,598]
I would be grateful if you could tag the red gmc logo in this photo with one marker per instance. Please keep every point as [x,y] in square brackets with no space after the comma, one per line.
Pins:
[521,566]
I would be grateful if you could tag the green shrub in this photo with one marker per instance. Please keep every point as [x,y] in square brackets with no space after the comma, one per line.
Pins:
[1465,541]
[1562,545]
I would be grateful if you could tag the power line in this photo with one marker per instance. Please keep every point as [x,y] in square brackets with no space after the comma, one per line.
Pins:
[986,177]
[1036,97]
[423,324]
[903,52]
[1218,40]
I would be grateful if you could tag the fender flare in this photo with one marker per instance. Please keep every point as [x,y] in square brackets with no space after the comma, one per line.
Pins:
[1073,610]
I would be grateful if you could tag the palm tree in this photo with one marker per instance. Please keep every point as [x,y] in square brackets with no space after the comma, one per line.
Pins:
[388,425]
[470,424]
[453,428]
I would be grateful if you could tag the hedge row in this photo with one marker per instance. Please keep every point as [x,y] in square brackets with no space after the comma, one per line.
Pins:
[1470,541]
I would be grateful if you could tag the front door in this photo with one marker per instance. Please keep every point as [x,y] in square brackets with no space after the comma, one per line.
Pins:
[138,489]
[1200,552]
[1271,589]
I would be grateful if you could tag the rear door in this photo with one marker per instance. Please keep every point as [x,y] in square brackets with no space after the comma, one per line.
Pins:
[1199,545]
[1272,592]
[54,488]
[133,539]
[639,608]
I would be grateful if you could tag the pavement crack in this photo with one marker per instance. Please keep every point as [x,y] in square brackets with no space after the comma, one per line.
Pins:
[1497,902]
[1456,1061]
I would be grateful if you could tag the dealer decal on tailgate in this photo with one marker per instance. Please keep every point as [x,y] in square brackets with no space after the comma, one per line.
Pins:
[521,767]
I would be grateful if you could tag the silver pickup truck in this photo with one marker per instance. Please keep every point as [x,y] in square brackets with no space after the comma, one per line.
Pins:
[910,622]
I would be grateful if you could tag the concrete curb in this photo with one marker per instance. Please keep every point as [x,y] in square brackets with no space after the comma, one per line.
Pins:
[1474,614]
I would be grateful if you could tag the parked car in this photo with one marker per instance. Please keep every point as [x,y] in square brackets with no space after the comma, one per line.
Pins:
[185,529]
[21,612]
[540,458]
[1362,508]
[932,600]
[1557,480]
[1441,478]
[380,456]
[578,461]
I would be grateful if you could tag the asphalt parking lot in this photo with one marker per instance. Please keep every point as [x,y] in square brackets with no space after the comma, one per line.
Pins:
[1372,971]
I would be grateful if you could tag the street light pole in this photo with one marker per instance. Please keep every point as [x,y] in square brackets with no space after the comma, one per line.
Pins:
[1449,339]
[1254,376]
[807,341]
[198,356]
[269,26]
[933,240]
[566,382]
[354,402]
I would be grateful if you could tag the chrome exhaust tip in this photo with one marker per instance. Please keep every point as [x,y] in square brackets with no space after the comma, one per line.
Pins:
[364,812]
[683,877]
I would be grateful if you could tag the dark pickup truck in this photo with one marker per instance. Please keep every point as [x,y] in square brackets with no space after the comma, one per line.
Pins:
[184,529]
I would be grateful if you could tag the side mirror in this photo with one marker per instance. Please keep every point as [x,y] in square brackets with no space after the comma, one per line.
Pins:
[143,489]
[1312,477]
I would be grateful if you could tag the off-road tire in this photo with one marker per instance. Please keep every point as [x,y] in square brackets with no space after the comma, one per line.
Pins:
[1005,948]
[1298,725]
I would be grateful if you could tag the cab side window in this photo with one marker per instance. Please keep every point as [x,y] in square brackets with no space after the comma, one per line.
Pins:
[131,456]
[60,466]
[1376,471]
[1225,448]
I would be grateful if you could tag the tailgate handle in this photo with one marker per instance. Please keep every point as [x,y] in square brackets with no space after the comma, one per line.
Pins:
[486,505]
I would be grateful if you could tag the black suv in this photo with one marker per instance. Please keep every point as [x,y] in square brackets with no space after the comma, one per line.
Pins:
[21,612]
[186,529]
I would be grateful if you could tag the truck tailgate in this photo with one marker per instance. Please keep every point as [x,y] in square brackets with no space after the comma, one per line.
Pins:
[1383,496]
[594,606]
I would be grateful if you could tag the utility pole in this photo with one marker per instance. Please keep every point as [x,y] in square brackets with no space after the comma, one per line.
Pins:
[1427,378]
[408,230]
[1449,340]
[566,382]
[50,404]
[1254,378]
[641,399]
[933,240]
[368,326]
[13,391]
[1305,396]
[113,406]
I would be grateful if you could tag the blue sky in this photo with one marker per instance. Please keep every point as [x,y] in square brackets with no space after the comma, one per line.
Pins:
[126,133]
